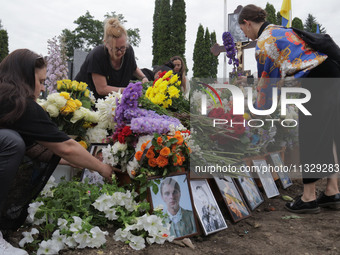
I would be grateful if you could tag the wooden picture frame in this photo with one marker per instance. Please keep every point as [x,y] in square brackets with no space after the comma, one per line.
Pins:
[283,176]
[266,178]
[251,192]
[234,201]
[92,176]
[208,211]
[174,197]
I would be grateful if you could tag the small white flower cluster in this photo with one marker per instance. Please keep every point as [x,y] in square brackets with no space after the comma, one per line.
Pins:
[108,203]
[48,191]
[173,129]
[32,210]
[96,134]
[107,110]
[53,104]
[114,154]
[152,224]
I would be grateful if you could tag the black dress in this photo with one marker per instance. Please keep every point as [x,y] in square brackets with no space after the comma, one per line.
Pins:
[318,131]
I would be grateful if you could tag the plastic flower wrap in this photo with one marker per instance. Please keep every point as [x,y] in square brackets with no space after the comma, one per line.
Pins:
[164,89]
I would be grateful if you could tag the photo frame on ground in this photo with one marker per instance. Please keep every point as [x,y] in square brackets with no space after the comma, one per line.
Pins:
[266,178]
[236,205]
[209,214]
[250,191]
[283,176]
[94,177]
[175,199]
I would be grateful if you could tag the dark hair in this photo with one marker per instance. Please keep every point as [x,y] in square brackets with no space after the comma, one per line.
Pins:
[162,68]
[252,13]
[17,82]
[181,72]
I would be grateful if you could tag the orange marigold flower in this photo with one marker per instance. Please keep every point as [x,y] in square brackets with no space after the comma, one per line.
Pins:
[178,133]
[138,155]
[165,152]
[144,145]
[152,162]
[162,161]
[178,160]
[173,148]
[189,149]
[179,138]
[133,172]
[159,140]
[150,153]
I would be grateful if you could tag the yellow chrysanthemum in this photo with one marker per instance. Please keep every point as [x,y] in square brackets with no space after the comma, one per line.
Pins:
[65,95]
[173,91]
[167,75]
[159,98]
[159,81]
[173,79]
[167,103]
[162,87]
[78,103]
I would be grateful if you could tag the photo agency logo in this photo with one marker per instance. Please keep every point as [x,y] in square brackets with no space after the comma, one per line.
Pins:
[238,105]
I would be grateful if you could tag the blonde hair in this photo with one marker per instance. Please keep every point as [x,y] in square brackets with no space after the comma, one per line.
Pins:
[113,29]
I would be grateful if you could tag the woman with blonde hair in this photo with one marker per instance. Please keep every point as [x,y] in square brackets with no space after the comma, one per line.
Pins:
[111,66]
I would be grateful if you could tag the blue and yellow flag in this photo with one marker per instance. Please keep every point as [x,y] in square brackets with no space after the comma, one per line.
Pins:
[286,13]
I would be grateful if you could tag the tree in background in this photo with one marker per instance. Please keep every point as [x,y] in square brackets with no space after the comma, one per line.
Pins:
[169,30]
[178,28]
[198,55]
[56,64]
[164,33]
[271,16]
[89,33]
[155,32]
[297,23]
[278,18]
[311,24]
[213,59]
[3,42]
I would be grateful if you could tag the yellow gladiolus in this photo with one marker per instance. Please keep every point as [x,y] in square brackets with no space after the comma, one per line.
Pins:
[65,95]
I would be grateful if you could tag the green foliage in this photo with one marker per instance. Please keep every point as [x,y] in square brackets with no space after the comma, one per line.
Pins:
[271,16]
[205,64]
[198,57]
[309,23]
[178,28]
[297,23]
[89,33]
[278,19]
[3,43]
[168,35]
[164,34]
[155,33]
[213,59]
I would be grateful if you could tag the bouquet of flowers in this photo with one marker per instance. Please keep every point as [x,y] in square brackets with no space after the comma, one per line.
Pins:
[66,109]
[164,90]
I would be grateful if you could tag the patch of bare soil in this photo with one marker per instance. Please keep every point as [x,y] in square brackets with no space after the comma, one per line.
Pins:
[265,232]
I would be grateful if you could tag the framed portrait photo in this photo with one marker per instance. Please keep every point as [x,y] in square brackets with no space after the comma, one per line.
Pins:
[208,212]
[266,178]
[91,176]
[175,199]
[283,176]
[251,192]
[235,203]
[235,29]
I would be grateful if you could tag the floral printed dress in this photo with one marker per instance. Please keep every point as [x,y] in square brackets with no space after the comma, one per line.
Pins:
[280,53]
